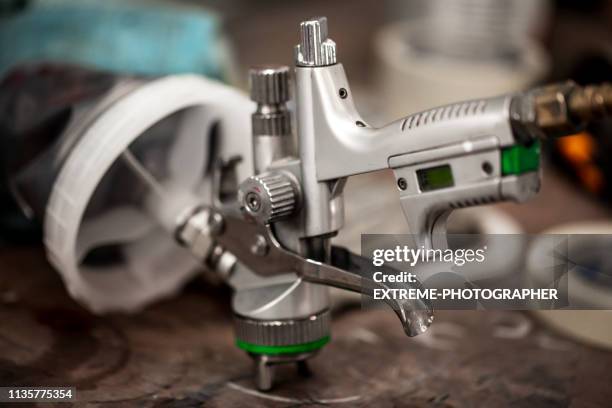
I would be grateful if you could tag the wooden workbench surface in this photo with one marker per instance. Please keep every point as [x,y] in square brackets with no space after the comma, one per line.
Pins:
[180,353]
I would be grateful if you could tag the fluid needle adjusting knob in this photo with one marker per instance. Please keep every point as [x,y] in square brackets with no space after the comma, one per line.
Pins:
[268,197]
[315,49]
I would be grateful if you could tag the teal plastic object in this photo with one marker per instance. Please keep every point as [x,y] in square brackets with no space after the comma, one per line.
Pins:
[134,37]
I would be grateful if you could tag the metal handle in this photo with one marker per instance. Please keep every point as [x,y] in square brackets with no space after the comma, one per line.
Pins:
[416,315]
[255,245]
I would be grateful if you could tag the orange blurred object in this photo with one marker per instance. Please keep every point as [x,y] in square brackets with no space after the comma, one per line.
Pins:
[579,151]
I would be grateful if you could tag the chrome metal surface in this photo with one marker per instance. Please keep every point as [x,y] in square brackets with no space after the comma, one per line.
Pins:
[315,49]
[270,89]
[264,366]
[268,197]
[269,84]
[272,135]
[282,332]
[329,132]
[222,262]
[195,232]
[260,246]
[323,205]
[415,315]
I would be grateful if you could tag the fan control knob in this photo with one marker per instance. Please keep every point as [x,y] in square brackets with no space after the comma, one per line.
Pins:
[268,197]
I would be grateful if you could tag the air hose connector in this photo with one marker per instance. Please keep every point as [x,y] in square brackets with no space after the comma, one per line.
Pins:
[559,110]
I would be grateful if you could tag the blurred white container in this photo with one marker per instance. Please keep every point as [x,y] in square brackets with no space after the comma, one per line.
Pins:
[459,50]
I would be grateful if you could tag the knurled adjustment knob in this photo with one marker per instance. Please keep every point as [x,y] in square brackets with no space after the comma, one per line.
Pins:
[315,48]
[269,84]
[270,89]
[268,197]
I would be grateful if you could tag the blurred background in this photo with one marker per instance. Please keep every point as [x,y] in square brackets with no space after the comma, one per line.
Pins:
[401,56]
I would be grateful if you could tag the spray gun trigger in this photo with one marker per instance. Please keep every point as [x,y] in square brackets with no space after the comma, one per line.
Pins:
[415,315]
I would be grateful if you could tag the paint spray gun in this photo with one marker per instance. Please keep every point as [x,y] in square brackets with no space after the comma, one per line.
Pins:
[454,156]
[145,174]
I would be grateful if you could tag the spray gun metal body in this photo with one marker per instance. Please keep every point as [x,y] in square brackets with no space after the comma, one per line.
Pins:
[453,156]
